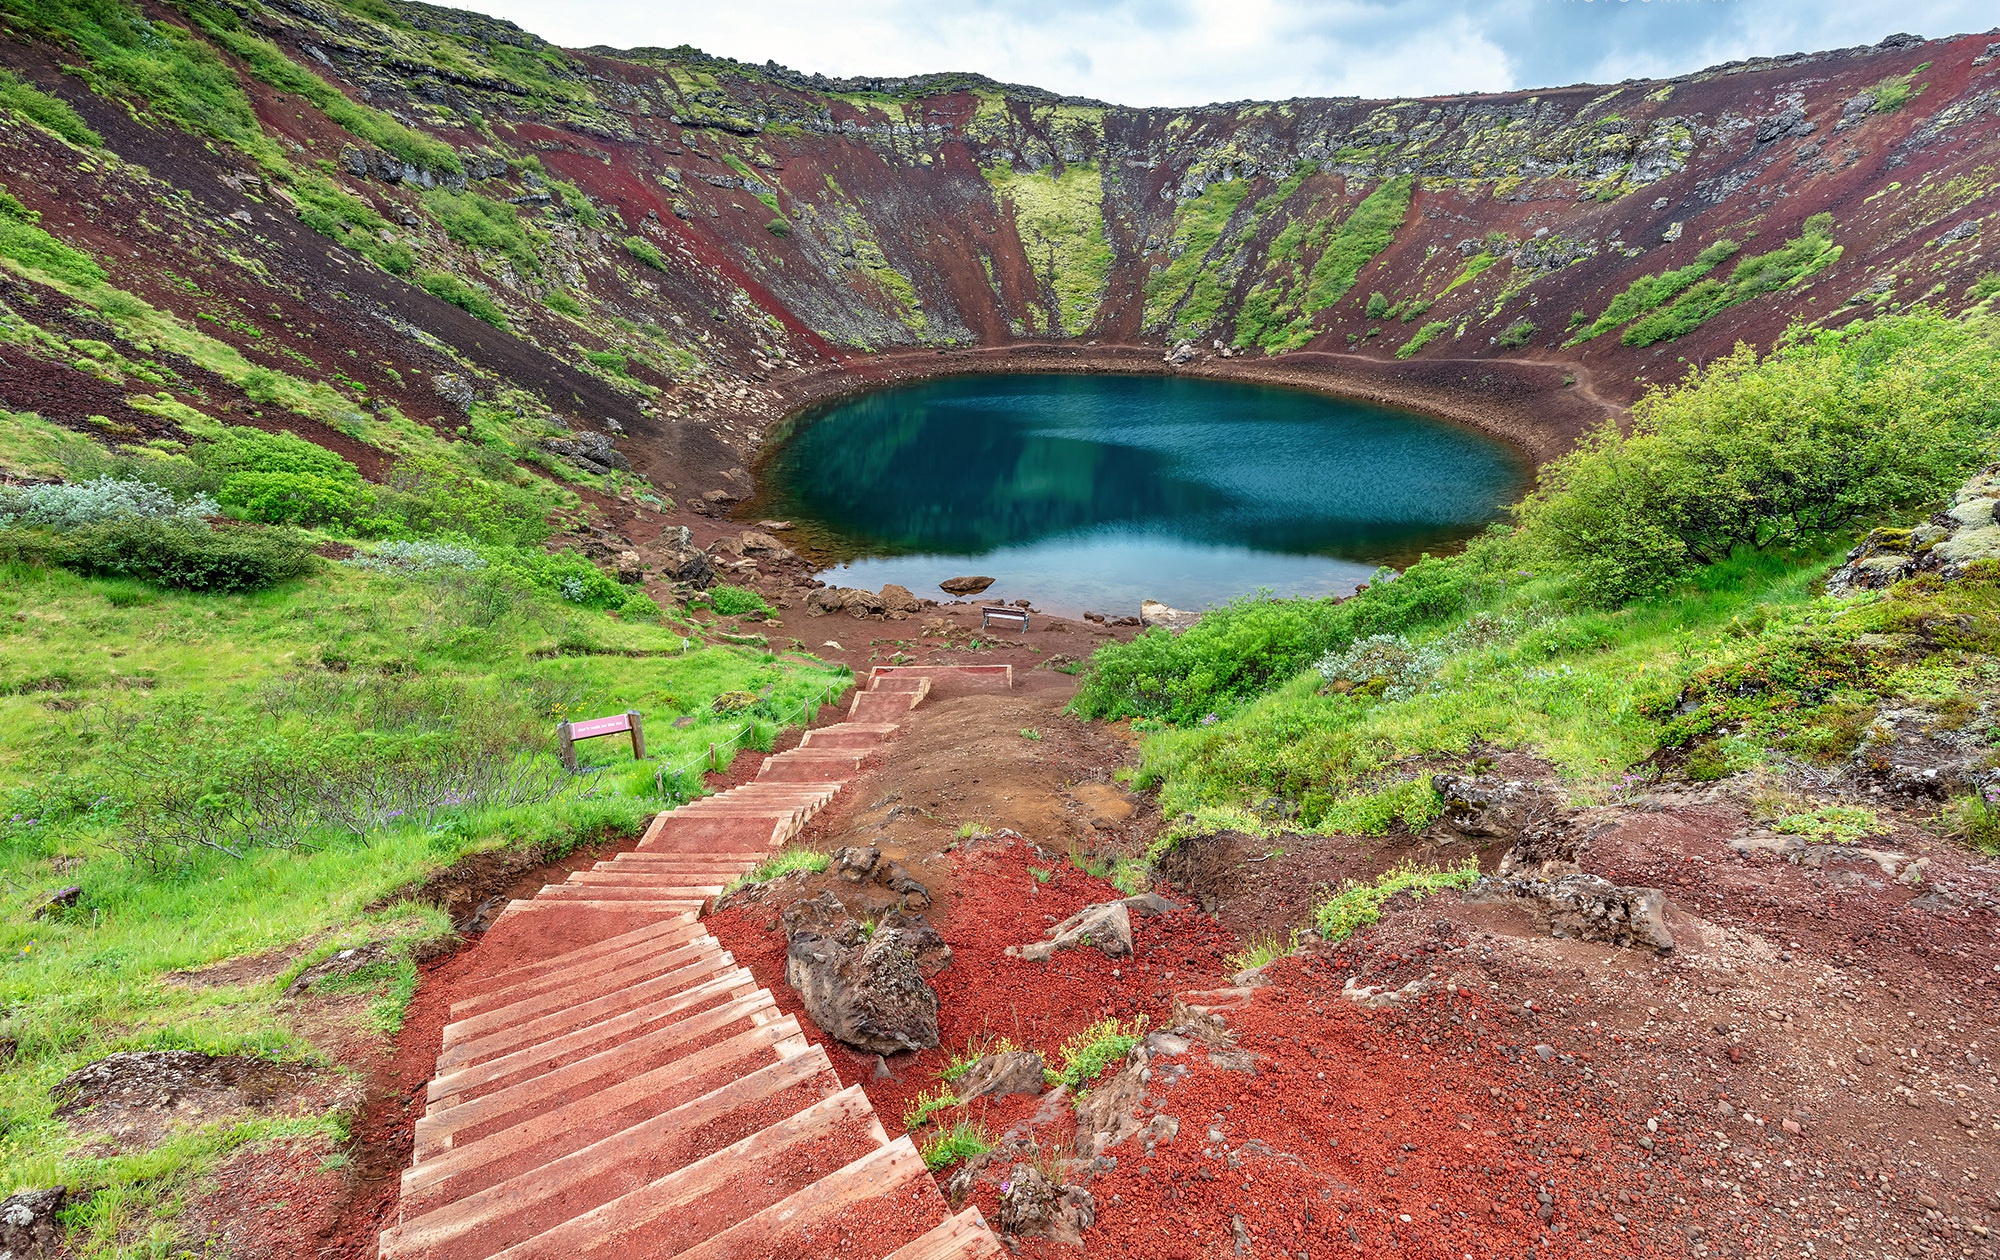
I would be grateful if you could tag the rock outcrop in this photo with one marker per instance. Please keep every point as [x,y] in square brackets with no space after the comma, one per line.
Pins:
[865,987]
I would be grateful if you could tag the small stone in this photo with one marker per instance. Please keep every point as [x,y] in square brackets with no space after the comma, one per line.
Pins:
[1792,1127]
[1546,1051]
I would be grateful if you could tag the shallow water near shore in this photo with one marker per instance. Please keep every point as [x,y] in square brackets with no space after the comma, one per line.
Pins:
[1097,491]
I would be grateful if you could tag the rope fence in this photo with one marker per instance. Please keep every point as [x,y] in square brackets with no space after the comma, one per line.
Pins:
[804,712]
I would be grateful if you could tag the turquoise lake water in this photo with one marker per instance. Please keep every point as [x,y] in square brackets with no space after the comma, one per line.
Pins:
[1095,492]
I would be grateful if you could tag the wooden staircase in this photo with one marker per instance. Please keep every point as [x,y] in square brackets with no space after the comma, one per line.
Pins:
[614,1085]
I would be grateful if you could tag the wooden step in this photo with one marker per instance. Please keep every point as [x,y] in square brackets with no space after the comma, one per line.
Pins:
[595,967]
[620,1227]
[961,1237]
[662,935]
[866,1196]
[849,735]
[675,990]
[603,1037]
[755,1065]
[688,963]
[574,1197]
[978,675]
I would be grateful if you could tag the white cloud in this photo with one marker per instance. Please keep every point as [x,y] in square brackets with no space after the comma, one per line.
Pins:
[1185,52]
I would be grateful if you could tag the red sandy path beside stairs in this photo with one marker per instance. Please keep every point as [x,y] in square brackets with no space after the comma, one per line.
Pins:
[612,1083]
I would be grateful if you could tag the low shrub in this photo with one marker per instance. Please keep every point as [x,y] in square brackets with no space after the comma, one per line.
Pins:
[68,506]
[646,252]
[734,601]
[177,553]
[286,498]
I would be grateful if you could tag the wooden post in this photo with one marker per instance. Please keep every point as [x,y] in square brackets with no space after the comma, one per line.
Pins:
[567,747]
[638,735]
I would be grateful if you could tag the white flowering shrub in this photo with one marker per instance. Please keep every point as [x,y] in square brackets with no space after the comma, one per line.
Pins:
[1381,664]
[417,557]
[63,506]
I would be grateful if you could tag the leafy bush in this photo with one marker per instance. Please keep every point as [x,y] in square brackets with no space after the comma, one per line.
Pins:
[351,221]
[287,498]
[67,507]
[1382,665]
[179,553]
[734,601]
[1835,426]
[964,1141]
[1378,305]
[473,301]
[427,494]
[566,575]
[1085,1056]
[778,227]
[1516,334]
[563,303]
[1648,292]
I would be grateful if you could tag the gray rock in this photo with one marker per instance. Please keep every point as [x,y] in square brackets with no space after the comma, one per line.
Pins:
[856,865]
[1032,1206]
[1153,613]
[900,599]
[865,989]
[764,547]
[1586,907]
[965,585]
[591,451]
[998,1075]
[1484,806]
[1148,905]
[682,561]
[1106,927]
[629,568]
[28,1226]
[892,876]
[59,900]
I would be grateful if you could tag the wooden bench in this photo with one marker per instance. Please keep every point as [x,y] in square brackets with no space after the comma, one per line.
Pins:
[569,732]
[1009,618]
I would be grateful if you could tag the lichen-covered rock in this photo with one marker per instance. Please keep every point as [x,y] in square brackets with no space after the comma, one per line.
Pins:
[1032,1206]
[28,1226]
[1922,753]
[1584,907]
[998,1075]
[864,988]
[1106,927]
[1484,806]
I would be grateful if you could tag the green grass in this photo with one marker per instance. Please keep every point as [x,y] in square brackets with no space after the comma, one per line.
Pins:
[962,1142]
[1798,259]
[921,1108]
[1083,1058]
[1423,337]
[787,862]
[1059,215]
[646,252]
[1832,824]
[1198,225]
[1263,951]
[1366,232]
[486,225]
[1358,904]
[155,64]
[1648,292]
[51,113]
[467,297]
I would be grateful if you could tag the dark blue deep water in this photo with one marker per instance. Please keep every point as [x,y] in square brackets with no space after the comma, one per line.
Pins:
[1099,491]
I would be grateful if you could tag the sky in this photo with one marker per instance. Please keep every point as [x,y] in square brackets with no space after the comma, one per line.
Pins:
[1192,52]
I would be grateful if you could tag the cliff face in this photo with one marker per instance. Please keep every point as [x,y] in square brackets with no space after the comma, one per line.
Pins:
[403,210]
